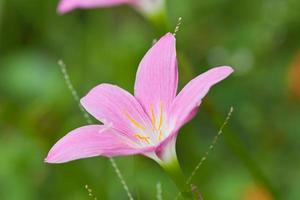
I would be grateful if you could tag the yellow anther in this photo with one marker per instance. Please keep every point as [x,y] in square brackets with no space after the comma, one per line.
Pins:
[143,138]
[153,120]
[160,117]
[134,122]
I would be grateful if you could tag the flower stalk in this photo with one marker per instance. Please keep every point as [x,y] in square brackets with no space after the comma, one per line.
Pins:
[168,160]
[174,171]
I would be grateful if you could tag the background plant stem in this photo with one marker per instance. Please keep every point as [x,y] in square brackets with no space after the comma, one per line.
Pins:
[236,145]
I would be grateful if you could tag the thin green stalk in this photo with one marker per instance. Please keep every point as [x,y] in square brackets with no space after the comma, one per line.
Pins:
[211,146]
[158,191]
[236,144]
[174,171]
[89,121]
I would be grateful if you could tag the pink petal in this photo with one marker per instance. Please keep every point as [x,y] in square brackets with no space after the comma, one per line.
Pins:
[113,105]
[89,141]
[68,5]
[157,76]
[189,99]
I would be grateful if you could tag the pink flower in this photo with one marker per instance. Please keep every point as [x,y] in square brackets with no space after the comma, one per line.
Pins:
[147,7]
[146,123]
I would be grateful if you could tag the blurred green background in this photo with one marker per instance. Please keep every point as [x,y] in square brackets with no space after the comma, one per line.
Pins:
[259,38]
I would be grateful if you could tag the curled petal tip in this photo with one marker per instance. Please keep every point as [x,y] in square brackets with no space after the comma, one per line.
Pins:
[51,158]
[225,70]
[61,9]
[169,36]
[64,7]
[82,101]
[47,160]
[229,68]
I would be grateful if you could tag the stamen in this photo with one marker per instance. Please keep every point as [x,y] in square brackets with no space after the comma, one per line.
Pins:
[153,120]
[144,138]
[134,122]
[160,117]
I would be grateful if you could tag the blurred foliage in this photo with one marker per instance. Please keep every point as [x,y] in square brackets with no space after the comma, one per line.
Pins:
[259,38]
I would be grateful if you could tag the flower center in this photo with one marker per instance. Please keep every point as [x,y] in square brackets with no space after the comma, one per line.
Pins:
[155,132]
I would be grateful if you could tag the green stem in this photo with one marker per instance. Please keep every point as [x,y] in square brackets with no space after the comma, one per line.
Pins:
[174,171]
